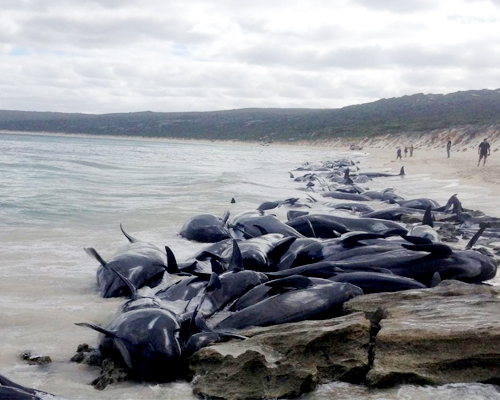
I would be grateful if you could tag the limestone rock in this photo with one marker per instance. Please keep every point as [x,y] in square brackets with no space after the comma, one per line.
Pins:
[285,360]
[434,336]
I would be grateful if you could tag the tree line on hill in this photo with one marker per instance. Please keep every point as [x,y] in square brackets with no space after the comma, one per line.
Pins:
[415,113]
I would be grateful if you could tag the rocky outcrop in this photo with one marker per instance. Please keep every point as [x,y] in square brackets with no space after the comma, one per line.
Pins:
[448,334]
[430,336]
[285,360]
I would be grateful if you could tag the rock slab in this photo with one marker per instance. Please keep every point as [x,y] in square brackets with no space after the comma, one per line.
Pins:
[285,360]
[448,334]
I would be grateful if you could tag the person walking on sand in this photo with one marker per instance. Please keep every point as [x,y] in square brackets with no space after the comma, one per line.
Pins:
[448,147]
[411,150]
[406,151]
[398,154]
[483,151]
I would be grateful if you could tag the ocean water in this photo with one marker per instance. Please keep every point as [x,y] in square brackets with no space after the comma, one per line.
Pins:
[61,194]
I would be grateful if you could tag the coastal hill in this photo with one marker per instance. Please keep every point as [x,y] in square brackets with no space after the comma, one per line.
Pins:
[408,114]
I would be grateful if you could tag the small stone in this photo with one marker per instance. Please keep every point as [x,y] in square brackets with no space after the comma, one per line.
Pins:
[78,358]
[83,348]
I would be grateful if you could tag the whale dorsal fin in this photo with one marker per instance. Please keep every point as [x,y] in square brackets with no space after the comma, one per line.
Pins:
[281,248]
[172,267]
[427,220]
[225,217]
[436,280]
[213,284]
[217,267]
[236,263]
[472,242]
[94,254]
[402,171]
[130,238]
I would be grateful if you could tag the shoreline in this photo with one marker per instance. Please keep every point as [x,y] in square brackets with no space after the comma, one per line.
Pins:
[429,156]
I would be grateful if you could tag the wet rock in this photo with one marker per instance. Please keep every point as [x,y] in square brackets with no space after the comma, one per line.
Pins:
[87,355]
[434,336]
[285,360]
[34,359]
[111,372]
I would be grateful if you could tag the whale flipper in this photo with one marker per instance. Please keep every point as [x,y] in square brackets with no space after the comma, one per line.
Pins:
[130,238]
[94,254]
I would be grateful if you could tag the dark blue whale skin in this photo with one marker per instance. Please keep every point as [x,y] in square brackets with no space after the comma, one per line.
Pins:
[372,174]
[319,301]
[376,282]
[206,228]
[352,206]
[259,254]
[12,391]
[142,263]
[149,341]
[251,224]
[346,224]
[346,196]
[419,262]
[272,288]
[419,204]
[232,286]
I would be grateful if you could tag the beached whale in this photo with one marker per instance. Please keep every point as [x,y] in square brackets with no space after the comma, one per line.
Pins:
[251,224]
[148,341]
[272,288]
[346,196]
[206,228]
[372,174]
[316,302]
[376,282]
[419,262]
[142,263]
[325,223]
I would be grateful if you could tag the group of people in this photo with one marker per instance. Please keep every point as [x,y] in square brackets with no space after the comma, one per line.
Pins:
[483,150]
[398,153]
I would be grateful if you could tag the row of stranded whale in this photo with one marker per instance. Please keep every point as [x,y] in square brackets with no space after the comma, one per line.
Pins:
[260,271]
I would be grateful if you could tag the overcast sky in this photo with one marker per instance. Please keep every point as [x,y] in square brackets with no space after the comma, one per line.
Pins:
[187,55]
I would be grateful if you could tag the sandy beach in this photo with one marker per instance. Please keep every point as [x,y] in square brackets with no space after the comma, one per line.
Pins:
[461,165]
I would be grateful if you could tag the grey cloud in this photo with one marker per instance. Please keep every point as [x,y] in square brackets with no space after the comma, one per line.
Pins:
[104,32]
[398,6]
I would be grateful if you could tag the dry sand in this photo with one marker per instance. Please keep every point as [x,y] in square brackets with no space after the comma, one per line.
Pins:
[462,165]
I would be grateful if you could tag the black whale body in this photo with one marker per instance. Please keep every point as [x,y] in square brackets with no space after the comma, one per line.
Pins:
[206,228]
[319,301]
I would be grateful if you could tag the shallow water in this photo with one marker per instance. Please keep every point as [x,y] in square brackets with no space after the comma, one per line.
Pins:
[60,194]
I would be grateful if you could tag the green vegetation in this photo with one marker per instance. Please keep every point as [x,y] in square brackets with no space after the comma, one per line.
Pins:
[416,113]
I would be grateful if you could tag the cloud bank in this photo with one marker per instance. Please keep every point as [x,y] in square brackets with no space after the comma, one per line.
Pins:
[106,56]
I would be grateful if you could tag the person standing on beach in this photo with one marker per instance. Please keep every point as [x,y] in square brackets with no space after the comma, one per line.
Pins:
[448,147]
[398,154]
[483,151]
[406,151]
[411,150]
